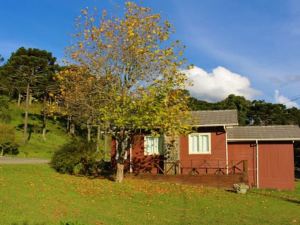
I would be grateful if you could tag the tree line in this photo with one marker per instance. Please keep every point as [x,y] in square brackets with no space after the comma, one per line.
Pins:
[255,112]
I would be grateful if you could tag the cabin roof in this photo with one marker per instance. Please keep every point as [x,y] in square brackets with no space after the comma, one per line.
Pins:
[278,132]
[210,118]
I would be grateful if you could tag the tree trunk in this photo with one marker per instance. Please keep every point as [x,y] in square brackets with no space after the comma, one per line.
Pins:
[123,142]
[120,172]
[44,120]
[98,137]
[105,145]
[68,124]
[26,113]
[88,126]
[30,98]
[44,133]
[19,99]
[72,128]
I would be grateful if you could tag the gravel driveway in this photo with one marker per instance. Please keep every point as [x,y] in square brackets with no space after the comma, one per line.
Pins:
[14,160]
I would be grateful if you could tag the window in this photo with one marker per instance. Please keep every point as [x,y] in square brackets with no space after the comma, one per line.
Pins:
[199,143]
[152,145]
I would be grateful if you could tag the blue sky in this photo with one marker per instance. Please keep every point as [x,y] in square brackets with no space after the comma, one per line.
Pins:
[250,48]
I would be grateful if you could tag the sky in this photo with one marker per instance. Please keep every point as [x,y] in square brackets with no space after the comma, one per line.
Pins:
[248,48]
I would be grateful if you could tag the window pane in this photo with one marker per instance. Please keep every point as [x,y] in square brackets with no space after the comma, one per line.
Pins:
[199,143]
[155,145]
[204,143]
[151,145]
[195,147]
[148,145]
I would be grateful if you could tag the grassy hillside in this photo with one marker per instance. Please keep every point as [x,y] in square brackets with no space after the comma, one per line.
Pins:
[46,197]
[36,146]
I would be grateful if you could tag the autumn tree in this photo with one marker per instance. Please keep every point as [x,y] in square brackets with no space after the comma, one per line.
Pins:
[141,67]
[80,98]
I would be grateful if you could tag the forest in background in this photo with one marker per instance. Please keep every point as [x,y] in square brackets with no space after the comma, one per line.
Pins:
[41,87]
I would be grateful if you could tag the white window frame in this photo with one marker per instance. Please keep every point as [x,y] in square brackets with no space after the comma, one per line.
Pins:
[191,152]
[156,146]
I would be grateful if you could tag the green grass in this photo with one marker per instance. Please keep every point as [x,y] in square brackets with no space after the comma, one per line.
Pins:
[38,195]
[36,146]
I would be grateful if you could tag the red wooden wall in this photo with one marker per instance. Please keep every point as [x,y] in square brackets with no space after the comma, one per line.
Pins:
[244,151]
[276,165]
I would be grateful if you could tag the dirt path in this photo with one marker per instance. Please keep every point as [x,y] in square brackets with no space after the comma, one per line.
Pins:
[13,160]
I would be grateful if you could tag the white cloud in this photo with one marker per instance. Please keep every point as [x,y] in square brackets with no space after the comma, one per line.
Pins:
[218,84]
[284,100]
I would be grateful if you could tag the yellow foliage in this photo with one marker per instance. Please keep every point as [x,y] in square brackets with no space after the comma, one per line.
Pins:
[131,68]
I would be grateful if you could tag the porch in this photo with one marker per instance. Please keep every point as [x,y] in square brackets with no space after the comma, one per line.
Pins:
[194,172]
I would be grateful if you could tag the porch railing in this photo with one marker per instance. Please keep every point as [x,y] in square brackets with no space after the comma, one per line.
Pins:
[198,167]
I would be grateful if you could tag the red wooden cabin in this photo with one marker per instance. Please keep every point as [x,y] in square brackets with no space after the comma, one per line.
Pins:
[217,145]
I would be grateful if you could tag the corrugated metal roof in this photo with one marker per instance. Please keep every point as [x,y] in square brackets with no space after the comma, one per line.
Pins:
[213,118]
[278,132]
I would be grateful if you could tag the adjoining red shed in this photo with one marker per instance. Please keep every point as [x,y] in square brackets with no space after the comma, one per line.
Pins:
[276,165]
[269,152]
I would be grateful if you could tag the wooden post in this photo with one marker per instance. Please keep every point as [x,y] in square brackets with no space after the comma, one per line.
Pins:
[179,167]
[245,170]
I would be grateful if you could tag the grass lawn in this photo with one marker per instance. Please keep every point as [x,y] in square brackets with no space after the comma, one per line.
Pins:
[36,146]
[37,195]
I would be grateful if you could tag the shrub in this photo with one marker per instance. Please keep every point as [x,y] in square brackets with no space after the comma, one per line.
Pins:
[7,140]
[77,157]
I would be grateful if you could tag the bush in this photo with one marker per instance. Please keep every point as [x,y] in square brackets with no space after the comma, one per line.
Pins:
[7,140]
[77,157]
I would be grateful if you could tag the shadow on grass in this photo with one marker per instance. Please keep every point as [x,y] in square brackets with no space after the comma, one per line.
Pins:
[60,223]
[107,175]
[27,223]
[284,198]
[265,194]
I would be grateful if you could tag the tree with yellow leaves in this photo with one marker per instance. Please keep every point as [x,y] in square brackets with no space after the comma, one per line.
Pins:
[140,69]
[79,98]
